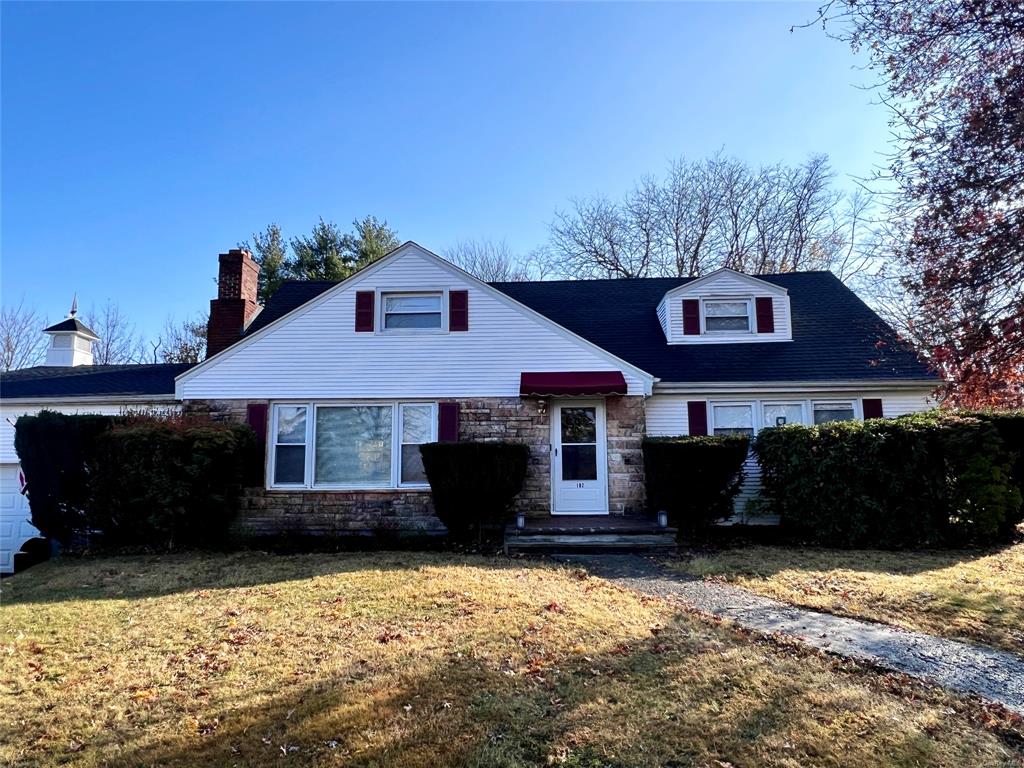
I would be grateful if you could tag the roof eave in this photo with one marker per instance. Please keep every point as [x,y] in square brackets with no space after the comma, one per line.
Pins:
[836,385]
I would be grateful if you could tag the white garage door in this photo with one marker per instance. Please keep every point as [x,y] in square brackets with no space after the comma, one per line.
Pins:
[15,528]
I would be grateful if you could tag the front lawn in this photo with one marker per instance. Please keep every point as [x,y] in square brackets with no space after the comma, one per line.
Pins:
[399,659]
[963,594]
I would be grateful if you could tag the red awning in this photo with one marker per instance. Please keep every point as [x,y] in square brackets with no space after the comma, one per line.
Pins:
[553,383]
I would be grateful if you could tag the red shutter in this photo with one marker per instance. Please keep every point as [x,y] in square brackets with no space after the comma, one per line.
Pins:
[364,311]
[256,417]
[691,317]
[872,408]
[458,310]
[697,414]
[765,314]
[448,423]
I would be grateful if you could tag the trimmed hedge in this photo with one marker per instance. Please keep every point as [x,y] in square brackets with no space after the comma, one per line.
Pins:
[1010,426]
[169,483]
[694,479]
[137,480]
[474,484]
[927,480]
[56,451]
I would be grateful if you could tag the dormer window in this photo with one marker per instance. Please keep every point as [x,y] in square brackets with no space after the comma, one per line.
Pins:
[412,311]
[726,315]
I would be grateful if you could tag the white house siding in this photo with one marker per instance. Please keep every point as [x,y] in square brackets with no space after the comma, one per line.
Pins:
[723,286]
[316,353]
[667,416]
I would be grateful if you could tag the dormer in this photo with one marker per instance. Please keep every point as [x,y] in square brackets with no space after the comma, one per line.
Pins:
[726,307]
[70,341]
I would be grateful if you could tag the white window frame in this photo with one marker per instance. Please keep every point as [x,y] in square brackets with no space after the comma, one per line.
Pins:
[399,442]
[755,411]
[382,313]
[801,404]
[854,403]
[311,407]
[749,302]
[272,453]
[807,406]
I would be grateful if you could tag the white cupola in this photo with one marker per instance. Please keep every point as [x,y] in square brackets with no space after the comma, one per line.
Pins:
[70,341]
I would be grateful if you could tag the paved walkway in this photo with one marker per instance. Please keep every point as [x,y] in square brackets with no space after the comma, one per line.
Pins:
[994,675]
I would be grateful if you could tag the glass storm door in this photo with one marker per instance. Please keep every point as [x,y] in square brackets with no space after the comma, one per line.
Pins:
[579,472]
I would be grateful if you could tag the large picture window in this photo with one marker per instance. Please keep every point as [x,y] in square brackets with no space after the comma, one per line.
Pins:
[334,445]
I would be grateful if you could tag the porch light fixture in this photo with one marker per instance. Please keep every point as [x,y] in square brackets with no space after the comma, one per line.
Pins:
[520,521]
[662,519]
[542,406]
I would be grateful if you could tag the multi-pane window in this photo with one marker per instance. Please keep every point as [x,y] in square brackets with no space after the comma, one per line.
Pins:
[825,412]
[733,419]
[412,311]
[290,445]
[723,315]
[417,427]
[355,446]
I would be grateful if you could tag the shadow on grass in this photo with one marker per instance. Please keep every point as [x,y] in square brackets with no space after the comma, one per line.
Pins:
[116,577]
[622,707]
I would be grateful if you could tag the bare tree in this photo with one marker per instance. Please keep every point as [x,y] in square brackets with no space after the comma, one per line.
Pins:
[489,260]
[712,213]
[183,342]
[593,240]
[118,342]
[22,343]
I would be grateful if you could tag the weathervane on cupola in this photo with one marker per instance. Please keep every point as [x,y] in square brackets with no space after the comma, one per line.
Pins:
[70,340]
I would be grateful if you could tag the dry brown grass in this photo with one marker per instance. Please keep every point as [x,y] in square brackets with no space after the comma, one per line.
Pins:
[961,594]
[398,659]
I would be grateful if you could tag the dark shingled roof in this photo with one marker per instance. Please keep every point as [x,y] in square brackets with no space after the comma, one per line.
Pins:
[836,336]
[51,381]
[291,295]
[71,324]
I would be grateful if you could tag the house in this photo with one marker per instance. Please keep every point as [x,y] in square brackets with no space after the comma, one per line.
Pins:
[344,380]
[70,383]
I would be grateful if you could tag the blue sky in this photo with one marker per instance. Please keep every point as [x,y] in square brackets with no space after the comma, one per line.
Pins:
[139,140]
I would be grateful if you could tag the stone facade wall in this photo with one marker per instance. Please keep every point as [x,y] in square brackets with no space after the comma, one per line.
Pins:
[511,419]
[627,425]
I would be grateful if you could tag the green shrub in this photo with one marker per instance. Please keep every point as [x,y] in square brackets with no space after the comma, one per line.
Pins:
[170,482]
[694,479]
[474,484]
[138,480]
[931,479]
[1010,426]
[56,452]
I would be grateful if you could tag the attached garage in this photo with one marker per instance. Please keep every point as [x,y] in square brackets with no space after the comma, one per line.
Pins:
[15,528]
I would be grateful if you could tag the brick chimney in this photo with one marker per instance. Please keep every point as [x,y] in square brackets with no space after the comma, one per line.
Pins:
[235,304]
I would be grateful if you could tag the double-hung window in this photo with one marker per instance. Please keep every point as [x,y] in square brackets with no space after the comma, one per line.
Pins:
[412,311]
[732,418]
[726,315]
[335,445]
[824,412]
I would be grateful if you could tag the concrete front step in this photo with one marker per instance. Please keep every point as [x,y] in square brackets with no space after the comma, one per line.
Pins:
[551,542]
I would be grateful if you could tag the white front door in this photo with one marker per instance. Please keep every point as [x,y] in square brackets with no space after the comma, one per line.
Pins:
[579,463]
